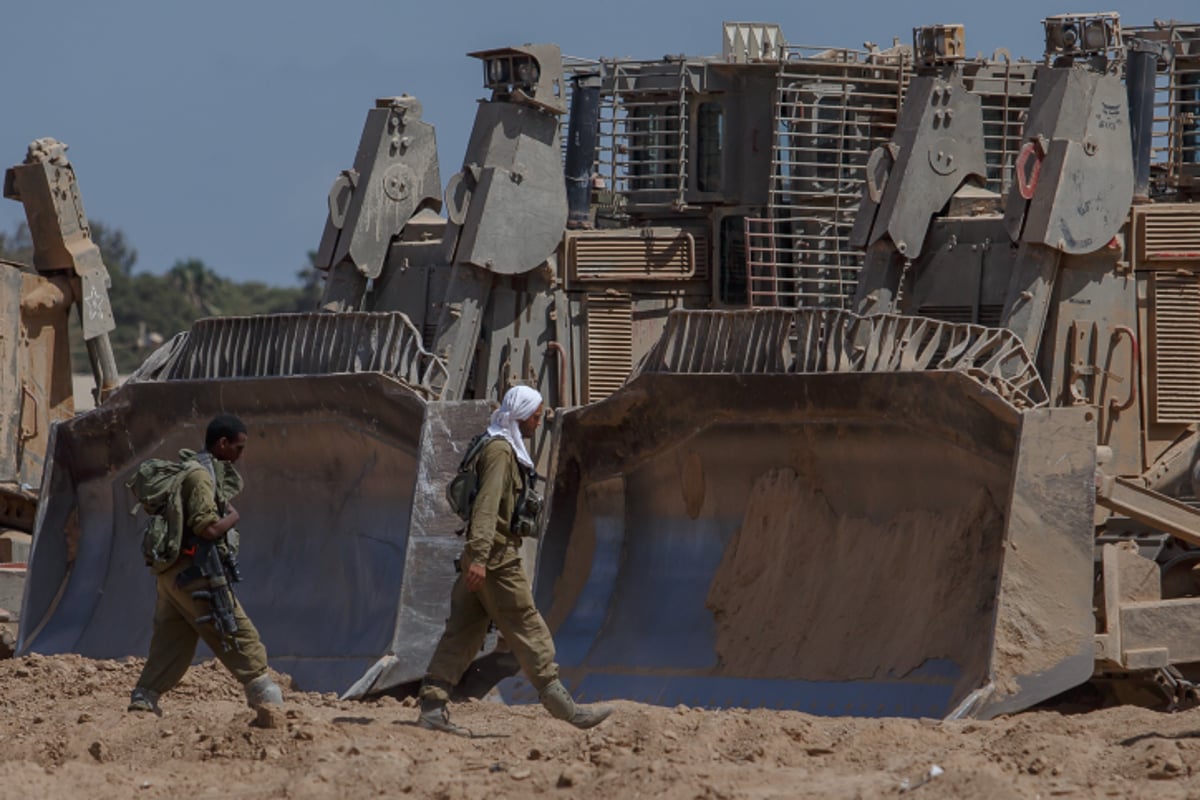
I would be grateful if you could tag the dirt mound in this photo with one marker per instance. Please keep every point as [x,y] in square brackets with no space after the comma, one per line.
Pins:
[65,732]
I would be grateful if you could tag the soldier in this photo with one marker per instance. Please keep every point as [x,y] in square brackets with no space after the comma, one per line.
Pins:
[492,584]
[207,514]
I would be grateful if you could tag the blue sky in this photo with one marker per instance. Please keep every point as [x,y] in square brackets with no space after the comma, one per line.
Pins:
[213,130]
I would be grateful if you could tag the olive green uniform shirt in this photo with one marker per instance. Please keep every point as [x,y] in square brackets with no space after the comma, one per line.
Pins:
[200,496]
[489,539]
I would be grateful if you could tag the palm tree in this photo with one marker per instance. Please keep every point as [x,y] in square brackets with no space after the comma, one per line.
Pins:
[196,283]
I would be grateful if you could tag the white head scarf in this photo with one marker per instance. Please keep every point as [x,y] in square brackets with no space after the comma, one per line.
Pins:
[519,404]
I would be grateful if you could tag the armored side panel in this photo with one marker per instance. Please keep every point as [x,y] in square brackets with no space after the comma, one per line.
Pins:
[510,200]
[395,174]
[1075,174]
[937,147]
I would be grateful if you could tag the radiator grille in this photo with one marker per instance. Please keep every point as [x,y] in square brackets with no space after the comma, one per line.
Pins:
[1170,234]
[1176,383]
[652,254]
[609,337]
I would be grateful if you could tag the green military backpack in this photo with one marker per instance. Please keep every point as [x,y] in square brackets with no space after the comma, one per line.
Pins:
[461,491]
[157,484]
[464,486]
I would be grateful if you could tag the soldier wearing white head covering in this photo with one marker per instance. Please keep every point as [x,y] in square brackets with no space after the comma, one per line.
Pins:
[492,585]
[520,402]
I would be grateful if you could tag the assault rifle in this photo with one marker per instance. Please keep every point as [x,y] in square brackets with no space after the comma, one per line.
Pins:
[221,572]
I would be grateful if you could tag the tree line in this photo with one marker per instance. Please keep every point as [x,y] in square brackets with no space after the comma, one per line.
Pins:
[150,308]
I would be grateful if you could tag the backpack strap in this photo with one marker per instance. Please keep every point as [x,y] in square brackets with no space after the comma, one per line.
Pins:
[205,459]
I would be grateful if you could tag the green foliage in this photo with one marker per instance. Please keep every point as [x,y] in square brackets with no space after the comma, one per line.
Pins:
[312,282]
[18,245]
[119,256]
[149,309]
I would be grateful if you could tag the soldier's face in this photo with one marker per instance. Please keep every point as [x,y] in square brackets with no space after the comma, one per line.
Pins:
[229,449]
[529,425]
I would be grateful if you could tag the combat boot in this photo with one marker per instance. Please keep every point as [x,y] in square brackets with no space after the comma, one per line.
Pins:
[262,691]
[144,700]
[435,717]
[561,705]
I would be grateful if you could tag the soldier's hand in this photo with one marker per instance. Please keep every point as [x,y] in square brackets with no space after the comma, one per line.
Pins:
[475,576]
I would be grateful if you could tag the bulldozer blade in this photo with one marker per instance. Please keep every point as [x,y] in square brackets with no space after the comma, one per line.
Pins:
[901,543]
[347,548]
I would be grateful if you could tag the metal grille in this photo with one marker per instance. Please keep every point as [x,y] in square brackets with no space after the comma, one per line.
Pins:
[813,341]
[1005,89]
[832,108]
[827,123]
[1169,233]
[642,145]
[1176,138]
[1176,369]
[645,254]
[281,345]
[609,338]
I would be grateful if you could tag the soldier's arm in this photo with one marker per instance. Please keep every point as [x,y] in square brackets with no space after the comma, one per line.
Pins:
[493,476]
[200,507]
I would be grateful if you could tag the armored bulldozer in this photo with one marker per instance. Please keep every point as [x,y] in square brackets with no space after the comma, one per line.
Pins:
[771,483]
[555,269]
[962,494]
[67,274]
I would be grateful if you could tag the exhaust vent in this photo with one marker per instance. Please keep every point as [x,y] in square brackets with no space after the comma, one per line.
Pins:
[609,341]
[654,254]
[1166,233]
[1175,378]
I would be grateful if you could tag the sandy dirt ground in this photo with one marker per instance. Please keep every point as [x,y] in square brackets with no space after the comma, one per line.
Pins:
[64,732]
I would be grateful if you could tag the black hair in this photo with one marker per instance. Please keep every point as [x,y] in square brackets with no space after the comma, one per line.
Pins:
[223,426]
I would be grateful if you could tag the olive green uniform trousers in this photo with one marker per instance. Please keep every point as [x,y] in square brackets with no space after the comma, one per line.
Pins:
[506,599]
[173,644]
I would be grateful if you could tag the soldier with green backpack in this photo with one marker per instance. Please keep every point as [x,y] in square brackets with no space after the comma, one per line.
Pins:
[494,493]
[191,544]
